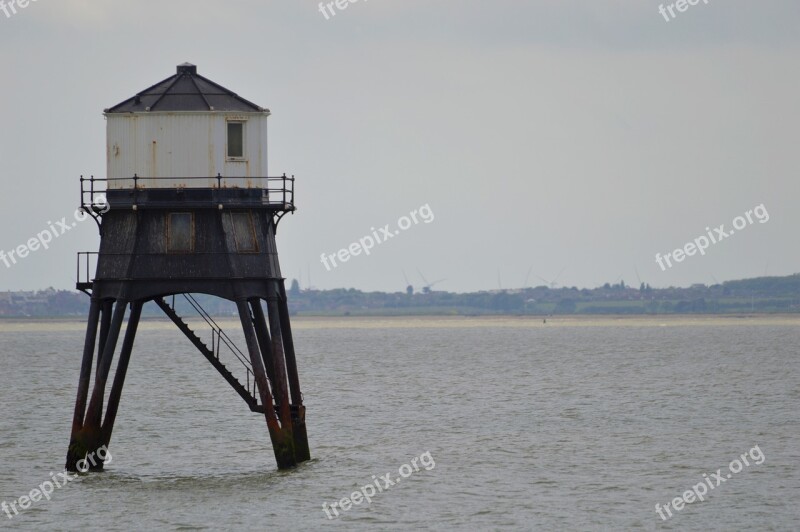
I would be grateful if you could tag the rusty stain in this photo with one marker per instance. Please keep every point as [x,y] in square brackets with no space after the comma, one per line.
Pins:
[154,171]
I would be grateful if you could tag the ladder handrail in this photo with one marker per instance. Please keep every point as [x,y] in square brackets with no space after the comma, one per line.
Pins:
[221,334]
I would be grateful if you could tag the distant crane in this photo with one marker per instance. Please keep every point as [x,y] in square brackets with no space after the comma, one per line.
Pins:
[552,284]
[426,289]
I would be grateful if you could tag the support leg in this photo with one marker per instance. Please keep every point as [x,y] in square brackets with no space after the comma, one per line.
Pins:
[85,376]
[297,410]
[122,370]
[279,360]
[302,451]
[105,325]
[90,437]
[281,437]
[264,340]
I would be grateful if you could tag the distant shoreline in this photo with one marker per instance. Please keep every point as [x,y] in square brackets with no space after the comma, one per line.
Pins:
[540,317]
[758,296]
[439,322]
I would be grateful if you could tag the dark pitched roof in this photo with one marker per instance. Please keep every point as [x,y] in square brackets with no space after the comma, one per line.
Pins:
[186,91]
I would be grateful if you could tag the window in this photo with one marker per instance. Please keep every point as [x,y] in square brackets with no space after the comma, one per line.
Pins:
[180,232]
[236,140]
[244,232]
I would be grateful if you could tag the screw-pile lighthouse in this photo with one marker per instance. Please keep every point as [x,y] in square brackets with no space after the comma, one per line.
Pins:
[190,210]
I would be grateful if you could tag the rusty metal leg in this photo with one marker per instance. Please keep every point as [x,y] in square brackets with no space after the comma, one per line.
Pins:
[302,452]
[279,359]
[297,410]
[105,325]
[282,443]
[90,438]
[264,341]
[122,370]
[85,377]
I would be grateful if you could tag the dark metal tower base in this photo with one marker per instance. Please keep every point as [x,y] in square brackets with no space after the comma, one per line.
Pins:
[272,365]
[157,243]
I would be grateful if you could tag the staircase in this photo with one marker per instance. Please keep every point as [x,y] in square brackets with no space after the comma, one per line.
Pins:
[248,391]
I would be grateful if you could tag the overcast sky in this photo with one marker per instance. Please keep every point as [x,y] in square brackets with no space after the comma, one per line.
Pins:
[583,136]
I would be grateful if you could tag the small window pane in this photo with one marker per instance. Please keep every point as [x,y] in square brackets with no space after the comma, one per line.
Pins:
[180,233]
[235,139]
[244,232]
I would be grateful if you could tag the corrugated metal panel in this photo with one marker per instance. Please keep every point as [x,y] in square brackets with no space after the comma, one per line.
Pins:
[180,145]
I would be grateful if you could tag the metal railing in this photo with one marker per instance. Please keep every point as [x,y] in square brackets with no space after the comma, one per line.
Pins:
[220,338]
[85,272]
[276,192]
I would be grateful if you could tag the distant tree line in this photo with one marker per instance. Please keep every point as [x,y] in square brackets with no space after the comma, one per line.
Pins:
[763,294]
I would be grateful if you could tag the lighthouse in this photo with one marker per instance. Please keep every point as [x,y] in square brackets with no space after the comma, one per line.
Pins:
[187,208]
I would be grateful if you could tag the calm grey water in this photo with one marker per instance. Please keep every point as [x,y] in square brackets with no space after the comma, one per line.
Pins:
[564,426]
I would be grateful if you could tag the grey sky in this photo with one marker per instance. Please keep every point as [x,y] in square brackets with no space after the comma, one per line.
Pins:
[585,136]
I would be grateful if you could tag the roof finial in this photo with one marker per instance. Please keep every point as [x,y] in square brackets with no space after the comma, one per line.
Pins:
[187,68]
